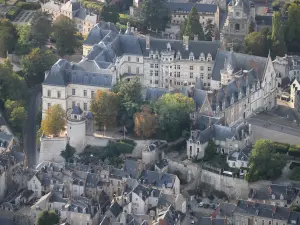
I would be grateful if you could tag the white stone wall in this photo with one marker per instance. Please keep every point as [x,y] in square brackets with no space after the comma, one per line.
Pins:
[3,184]
[50,149]
[77,134]
[195,149]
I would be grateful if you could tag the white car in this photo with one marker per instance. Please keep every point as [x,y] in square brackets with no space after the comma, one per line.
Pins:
[201,204]
[192,222]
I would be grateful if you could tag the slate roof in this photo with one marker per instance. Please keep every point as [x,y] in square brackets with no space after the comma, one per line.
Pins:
[242,155]
[187,6]
[157,179]
[263,20]
[5,137]
[212,221]
[131,168]
[162,163]
[76,110]
[91,180]
[115,209]
[153,94]
[99,32]
[203,122]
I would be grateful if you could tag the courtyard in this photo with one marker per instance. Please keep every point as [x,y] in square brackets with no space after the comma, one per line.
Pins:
[24,17]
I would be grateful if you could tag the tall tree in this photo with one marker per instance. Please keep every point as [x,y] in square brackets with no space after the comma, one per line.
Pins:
[105,108]
[145,122]
[110,14]
[209,30]
[17,114]
[54,121]
[193,26]
[47,218]
[293,28]
[40,28]
[256,44]
[23,45]
[173,112]
[35,64]
[64,32]
[251,27]
[265,164]
[8,37]
[278,43]
[68,153]
[155,14]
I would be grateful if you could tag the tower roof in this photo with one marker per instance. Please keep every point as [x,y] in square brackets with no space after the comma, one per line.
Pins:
[76,110]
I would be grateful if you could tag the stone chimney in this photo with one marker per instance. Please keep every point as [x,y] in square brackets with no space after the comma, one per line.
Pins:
[147,41]
[186,42]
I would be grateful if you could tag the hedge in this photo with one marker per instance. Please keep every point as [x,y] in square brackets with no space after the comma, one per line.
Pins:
[13,12]
[295,175]
[294,150]
[281,147]
[29,5]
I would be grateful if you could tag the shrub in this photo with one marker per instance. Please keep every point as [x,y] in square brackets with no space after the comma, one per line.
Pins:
[294,165]
[13,12]
[281,147]
[129,141]
[294,150]
[295,175]
[29,5]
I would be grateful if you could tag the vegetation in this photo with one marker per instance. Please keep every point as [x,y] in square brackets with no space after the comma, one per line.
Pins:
[8,37]
[208,30]
[265,163]
[294,150]
[292,26]
[35,64]
[278,44]
[40,29]
[210,151]
[28,5]
[68,153]
[173,114]
[47,218]
[110,13]
[256,44]
[192,26]
[281,147]
[155,15]
[64,33]
[145,123]
[105,107]
[13,12]
[295,174]
[54,121]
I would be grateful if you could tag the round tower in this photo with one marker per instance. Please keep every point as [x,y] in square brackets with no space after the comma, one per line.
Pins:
[77,129]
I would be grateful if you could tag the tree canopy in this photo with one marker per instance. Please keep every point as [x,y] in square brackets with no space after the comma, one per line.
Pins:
[256,43]
[64,33]
[40,28]
[173,112]
[145,123]
[105,108]
[8,37]
[209,30]
[54,121]
[68,153]
[47,218]
[293,27]
[265,163]
[155,14]
[192,26]
[278,43]
[109,13]
[35,64]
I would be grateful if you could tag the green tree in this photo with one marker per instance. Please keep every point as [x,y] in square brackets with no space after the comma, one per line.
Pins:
[173,112]
[23,45]
[155,14]
[68,153]
[193,26]
[278,43]
[210,151]
[110,14]
[64,32]
[251,27]
[8,37]
[40,28]
[54,121]
[35,64]
[256,44]
[209,30]
[285,8]
[105,108]
[47,218]
[265,163]
[293,28]
[17,114]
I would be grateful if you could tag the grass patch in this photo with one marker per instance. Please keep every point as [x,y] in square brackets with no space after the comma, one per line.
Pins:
[13,12]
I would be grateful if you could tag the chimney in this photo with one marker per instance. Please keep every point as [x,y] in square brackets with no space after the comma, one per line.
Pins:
[196,37]
[132,29]
[211,220]
[147,41]
[186,42]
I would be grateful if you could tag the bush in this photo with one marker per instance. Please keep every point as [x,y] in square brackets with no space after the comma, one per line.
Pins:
[29,5]
[13,12]
[129,141]
[294,165]
[294,150]
[281,148]
[295,175]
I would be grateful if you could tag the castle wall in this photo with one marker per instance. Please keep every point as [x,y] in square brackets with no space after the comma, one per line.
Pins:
[50,149]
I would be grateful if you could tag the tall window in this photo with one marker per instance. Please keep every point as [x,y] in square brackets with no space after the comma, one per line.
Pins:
[58,94]
[209,68]
[151,65]
[137,70]
[49,105]
[156,66]
[137,59]
[49,93]
[151,73]
[84,93]
[178,74]
[129,69]
[191,67]
[85,106]
[73,91]
[129,58]
[156,73]
[93,94]
[191,75]
[201,68]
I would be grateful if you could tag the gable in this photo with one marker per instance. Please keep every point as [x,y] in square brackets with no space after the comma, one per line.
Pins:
[206,107]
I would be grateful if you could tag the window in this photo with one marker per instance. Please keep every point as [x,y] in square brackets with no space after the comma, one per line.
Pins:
[151,56]
[201,68]
[151,65]
[137,70]
[191,75]
[93,94]
[198,150]
[156,66]
[49,105]
[151,73]
[156,81]
[84,93]
[58,94]
[137,59]
[156,73]
[201,75]
[73,91]
[191,67]
[49,93]
[178,74]
[129,58]
[204,84]
[129,69]
[150,81]
[85,106]
[262,222]
[156,56]
[170,74]
[178,67]
[209,68]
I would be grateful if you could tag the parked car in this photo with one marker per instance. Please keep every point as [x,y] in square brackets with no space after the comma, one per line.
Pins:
[201,204]
[192,221]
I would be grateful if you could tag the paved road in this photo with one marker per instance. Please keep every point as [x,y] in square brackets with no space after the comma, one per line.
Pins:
[30,127]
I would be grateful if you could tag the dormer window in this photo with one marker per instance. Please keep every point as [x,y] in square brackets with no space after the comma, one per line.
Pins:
[168,47]
[191,57]
[209,58]
[202,57]
[198,143]
[191,141]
